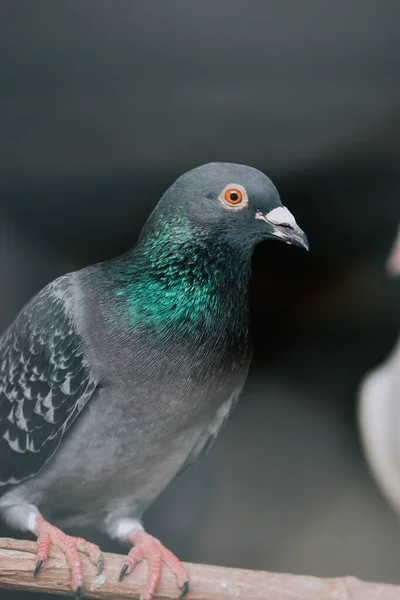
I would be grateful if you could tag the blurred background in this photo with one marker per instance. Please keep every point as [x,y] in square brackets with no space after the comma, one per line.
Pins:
[103,105]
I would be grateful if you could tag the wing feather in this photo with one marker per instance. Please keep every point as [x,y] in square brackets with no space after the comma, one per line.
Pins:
[44,381]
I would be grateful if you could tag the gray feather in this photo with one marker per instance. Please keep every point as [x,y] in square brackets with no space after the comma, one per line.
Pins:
[44,382]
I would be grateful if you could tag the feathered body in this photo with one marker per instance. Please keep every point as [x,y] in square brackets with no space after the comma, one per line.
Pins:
[168,351]
[114,378]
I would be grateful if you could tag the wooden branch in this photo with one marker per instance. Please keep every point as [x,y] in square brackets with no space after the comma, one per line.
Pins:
[17,561]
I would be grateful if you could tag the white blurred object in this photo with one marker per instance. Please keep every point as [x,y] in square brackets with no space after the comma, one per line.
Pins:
[379,412]
[393,263]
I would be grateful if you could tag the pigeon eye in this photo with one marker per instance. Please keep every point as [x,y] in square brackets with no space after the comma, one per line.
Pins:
[234,196]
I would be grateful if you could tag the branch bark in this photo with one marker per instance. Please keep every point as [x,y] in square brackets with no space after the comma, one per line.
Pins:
[17,561]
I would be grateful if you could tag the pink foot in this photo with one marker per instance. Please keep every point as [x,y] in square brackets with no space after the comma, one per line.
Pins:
[71,546]
[146,546]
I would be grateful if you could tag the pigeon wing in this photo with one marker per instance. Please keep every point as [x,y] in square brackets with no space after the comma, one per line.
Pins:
[44,381]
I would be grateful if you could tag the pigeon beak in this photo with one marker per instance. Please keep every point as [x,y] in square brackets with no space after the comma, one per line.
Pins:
[284,226]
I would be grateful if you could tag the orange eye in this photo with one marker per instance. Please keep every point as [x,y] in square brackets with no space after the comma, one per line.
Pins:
[233,196]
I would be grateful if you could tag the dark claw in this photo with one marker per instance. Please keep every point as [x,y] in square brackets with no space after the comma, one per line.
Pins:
[123,572]
[37,568]
[100,564]
[184,589]
[78,593]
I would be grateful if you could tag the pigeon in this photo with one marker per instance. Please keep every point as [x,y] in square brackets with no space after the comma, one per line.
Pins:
[379,412]
[115,378]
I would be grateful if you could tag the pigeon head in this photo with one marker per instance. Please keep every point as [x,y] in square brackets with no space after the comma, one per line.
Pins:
[192,263]
[235,203]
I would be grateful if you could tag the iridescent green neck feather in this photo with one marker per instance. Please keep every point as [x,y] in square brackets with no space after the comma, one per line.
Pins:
[180,278]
